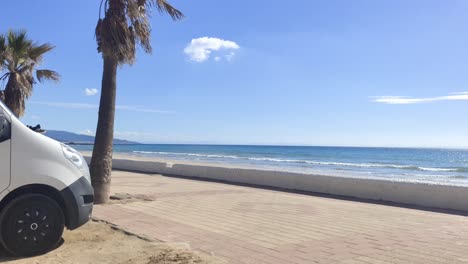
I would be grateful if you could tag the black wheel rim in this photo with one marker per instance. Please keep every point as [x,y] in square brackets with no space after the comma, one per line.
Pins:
[32,226]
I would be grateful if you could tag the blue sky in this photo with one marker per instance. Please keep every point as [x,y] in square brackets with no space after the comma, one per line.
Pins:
[355,73]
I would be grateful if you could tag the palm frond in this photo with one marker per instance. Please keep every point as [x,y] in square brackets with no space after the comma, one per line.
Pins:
[44,75]
[2,44]
[20,56]
[19,44]
[2,51]
[17,90]
[138,16]
[116,39]
[164,7]
[126,23]
[9,60]
[36,52]
[18,39]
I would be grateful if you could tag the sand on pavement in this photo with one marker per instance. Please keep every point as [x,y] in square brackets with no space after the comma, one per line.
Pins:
[98,242]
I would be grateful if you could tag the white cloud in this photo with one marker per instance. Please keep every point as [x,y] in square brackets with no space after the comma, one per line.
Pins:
[229,56]
[90,91]
[141,109]
[138,136]
[87,132]
[411,100]
[154,137]
[132,108]
[199,49]
[67,105]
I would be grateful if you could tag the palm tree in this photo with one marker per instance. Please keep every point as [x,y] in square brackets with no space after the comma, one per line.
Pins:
[20,57]
[125,24]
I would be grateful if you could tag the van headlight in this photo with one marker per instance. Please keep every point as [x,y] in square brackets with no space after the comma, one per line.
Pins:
[73,156]
[77,159]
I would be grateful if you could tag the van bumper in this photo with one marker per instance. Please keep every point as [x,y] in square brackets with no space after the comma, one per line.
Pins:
[78,199]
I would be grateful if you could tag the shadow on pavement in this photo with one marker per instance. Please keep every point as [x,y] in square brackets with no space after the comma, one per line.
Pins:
[5,256]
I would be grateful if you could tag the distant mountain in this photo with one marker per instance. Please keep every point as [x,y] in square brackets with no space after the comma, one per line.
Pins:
[73,138]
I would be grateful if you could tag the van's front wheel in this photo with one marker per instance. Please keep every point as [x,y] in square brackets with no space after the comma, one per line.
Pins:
[31,224]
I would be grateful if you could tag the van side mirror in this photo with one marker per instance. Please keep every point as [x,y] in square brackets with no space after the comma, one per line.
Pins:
[5,130]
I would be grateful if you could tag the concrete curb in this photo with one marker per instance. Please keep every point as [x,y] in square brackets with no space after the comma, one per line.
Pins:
[411,193]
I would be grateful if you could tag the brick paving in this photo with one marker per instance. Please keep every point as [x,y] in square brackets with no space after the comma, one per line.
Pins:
[251,225]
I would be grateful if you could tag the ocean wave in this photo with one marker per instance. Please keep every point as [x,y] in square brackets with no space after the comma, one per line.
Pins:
[187,154]
[363,165]
[441,169]
[458,177]
[312,162]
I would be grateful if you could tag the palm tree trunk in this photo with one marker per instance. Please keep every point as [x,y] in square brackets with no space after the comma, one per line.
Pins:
[101,161]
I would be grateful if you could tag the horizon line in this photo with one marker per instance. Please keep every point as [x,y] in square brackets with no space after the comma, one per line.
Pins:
[297,145]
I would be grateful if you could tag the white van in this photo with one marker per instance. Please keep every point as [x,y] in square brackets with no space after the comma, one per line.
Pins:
[44,187]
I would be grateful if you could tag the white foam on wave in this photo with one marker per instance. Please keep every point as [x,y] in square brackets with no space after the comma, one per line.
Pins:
[438,169]
[187,154]
[329,163]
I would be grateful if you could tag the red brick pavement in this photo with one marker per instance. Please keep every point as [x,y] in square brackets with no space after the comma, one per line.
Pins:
[250,225]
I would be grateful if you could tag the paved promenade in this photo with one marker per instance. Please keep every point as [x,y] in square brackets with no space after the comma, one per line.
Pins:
[250,225]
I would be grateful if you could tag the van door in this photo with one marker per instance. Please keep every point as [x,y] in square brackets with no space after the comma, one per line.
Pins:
[5,147]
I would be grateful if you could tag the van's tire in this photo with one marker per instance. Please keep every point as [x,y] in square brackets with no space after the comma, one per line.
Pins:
[31,224]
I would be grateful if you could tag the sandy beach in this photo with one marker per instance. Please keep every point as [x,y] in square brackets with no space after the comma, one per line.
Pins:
[98,242]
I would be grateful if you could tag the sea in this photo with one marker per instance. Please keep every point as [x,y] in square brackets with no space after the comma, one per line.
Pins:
[445,166]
